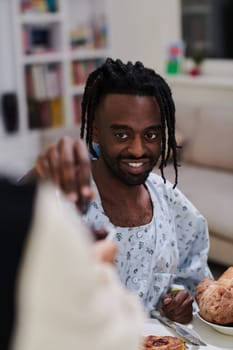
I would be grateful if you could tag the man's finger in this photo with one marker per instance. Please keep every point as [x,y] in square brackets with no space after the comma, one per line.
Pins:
[53,162]
[42,167]
[67,165]
[83,175]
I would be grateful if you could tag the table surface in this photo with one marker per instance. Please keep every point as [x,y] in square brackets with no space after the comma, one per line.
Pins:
[213,339]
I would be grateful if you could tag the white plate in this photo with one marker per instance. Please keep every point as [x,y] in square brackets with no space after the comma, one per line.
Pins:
[222,329]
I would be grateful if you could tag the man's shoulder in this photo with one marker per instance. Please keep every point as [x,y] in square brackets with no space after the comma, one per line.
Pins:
[164,188]
[172,196]
[155,177]
[157,181]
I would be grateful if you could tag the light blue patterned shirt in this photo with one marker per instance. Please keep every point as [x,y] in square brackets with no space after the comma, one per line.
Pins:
[172,248]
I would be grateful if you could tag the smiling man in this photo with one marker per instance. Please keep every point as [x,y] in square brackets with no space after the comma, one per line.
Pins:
[130,145]
[128,122]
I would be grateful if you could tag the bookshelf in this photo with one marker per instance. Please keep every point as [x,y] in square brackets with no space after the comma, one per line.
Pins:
[57,44]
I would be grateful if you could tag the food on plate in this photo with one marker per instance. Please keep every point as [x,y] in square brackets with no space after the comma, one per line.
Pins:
[166,342]
[215,298]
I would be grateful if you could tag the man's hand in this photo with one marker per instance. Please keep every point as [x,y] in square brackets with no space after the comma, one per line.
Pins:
[105,251]
[67,164]
[177,306]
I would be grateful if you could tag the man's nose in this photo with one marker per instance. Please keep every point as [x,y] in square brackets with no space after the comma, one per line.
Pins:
[136,147]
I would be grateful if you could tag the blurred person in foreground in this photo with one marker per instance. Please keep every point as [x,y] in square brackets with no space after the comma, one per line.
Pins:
[59,287]
[128,123]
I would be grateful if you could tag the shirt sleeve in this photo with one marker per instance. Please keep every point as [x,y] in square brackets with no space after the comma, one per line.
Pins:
[192,240]
[65,298]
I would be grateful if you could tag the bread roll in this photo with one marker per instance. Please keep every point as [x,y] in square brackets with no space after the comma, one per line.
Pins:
[228,274]
[215,298]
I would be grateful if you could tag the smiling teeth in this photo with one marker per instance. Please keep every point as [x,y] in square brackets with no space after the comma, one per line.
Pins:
[135,165]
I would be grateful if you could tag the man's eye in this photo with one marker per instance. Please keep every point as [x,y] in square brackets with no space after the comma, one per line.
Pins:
[121,135]
[151,136]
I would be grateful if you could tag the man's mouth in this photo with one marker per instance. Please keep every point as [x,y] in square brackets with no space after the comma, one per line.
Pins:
[135,165]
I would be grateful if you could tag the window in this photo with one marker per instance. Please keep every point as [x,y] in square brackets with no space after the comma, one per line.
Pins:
[207,28]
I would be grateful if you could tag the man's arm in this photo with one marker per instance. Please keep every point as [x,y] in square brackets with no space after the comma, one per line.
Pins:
[191,232]
[194,264]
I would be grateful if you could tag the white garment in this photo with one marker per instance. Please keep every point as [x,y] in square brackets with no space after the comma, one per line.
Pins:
[66,300]
[172,248]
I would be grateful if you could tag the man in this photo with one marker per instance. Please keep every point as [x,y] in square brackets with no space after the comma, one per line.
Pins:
[129,113]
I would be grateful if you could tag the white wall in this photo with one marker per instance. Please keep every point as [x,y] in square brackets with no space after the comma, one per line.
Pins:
[7,71]
[142,29]
[139,30]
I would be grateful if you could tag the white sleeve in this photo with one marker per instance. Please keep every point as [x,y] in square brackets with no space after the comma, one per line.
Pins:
[65,300]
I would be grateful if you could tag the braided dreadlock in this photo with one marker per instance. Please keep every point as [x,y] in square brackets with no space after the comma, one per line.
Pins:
[117,77]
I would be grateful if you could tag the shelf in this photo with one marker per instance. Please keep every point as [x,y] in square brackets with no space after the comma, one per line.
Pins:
[43,58]
[45,62]
[77,90]
[43,18]
[203,80]
[80,54]
[197,9]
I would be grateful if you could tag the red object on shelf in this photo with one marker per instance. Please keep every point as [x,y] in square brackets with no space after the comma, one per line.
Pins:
[195,71]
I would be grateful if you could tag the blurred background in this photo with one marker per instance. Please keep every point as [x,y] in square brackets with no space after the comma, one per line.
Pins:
[48,48]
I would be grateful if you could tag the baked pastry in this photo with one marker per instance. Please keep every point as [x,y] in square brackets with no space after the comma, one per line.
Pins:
[228,274]
[215,298]
[154,342]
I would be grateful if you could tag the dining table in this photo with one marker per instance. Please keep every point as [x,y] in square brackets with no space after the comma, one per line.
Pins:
[213,339]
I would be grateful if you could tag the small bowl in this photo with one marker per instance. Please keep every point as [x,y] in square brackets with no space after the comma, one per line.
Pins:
[220,328]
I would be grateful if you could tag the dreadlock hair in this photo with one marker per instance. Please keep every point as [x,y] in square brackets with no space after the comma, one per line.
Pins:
[113,76]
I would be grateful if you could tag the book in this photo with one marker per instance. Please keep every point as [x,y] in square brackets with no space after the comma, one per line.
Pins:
[56,106]
[33,114]
[45,114]
[39,82]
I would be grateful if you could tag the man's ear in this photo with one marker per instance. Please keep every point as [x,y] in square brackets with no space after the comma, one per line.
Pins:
[95,134]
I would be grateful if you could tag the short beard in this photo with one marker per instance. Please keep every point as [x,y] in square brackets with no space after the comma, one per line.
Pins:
[127,179]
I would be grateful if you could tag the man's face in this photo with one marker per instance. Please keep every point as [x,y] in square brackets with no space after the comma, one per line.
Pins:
[128,130]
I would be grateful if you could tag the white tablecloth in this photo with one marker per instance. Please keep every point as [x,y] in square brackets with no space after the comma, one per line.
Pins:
[213,339]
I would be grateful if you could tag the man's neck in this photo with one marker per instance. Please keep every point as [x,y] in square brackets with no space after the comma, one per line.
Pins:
[112,187]
[125,205]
